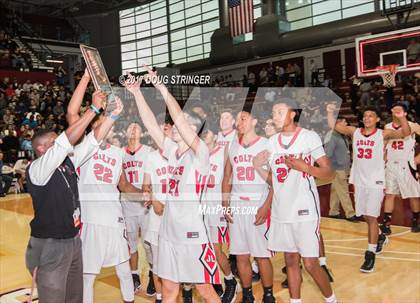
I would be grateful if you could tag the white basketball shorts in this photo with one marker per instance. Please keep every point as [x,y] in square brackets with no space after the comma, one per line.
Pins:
[300,237]
[103,246]
[181,263]
[368,201]
[248,239]
[399,179]
[219,234]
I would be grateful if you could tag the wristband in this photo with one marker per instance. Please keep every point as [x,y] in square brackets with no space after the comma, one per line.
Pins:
[113,117]
[95,109]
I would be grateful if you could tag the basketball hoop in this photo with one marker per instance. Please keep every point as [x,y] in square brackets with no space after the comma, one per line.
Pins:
[388,73]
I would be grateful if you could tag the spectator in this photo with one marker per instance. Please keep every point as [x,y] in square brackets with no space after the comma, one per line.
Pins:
[58,109]
[279,73]
[314,73]
[413,51]
[263,75]
[50,123]
[298,72]
[27,85]
[33,113]
[20,172]
[337,149]
[7,179]
[8,117]
[60,75]
[365,89]
[26,145]
[244,81]
[271,73]
[10,91]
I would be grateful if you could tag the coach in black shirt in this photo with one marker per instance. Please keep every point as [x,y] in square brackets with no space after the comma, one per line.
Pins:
[54,255]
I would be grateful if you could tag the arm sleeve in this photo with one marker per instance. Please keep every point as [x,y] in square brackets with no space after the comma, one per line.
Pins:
[315,145]
[84,150]
[43,167]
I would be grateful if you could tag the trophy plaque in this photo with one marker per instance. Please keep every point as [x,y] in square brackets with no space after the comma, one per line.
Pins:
[98,74]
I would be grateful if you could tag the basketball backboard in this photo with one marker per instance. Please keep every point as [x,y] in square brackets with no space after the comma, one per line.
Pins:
[400,47]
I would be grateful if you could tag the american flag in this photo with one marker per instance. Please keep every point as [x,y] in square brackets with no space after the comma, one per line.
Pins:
[241,16]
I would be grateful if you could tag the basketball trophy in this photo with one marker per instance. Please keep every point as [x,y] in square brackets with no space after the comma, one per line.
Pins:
[98,74]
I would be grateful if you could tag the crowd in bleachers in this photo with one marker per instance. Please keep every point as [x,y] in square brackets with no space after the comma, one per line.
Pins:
[12,56]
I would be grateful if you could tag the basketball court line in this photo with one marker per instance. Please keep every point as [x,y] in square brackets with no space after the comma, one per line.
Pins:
[386,251]
[364,239]
[377,257]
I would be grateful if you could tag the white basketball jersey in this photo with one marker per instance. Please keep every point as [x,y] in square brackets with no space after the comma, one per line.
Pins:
[225,139]
[295,196]
[133,165]
[401,149]
[183,221]
[157,168]
[213,195]
[368,169]
[98,191]
[247,185]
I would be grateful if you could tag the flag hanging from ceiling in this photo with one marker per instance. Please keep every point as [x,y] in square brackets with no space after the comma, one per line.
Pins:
[241,16]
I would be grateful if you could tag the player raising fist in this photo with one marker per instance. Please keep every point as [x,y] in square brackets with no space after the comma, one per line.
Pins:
[368,171]
[185,254]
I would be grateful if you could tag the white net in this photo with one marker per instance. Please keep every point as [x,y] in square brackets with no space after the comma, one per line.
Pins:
[388,75]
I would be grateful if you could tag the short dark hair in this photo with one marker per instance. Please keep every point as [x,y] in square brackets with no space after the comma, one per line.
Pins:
[203,106]
[292,105]
[209,127]
[40,133]
[372,109]
[404,107]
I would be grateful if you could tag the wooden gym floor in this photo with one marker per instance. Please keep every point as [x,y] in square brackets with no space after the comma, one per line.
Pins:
[396,279]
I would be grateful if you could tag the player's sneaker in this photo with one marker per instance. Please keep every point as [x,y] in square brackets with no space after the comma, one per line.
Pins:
[248,299]
[187,295]
[369,264]
[255,276]
[231,288]
[353,219]
[219,289]
[268,298]
[136,282]
[382,241]
[385,229]
[415,228]
[285,283]
[151,291]
[328,273]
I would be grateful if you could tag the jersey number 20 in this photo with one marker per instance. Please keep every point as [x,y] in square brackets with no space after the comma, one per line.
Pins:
[245,173]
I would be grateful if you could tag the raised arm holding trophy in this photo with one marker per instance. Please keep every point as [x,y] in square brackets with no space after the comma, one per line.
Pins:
[98,74]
